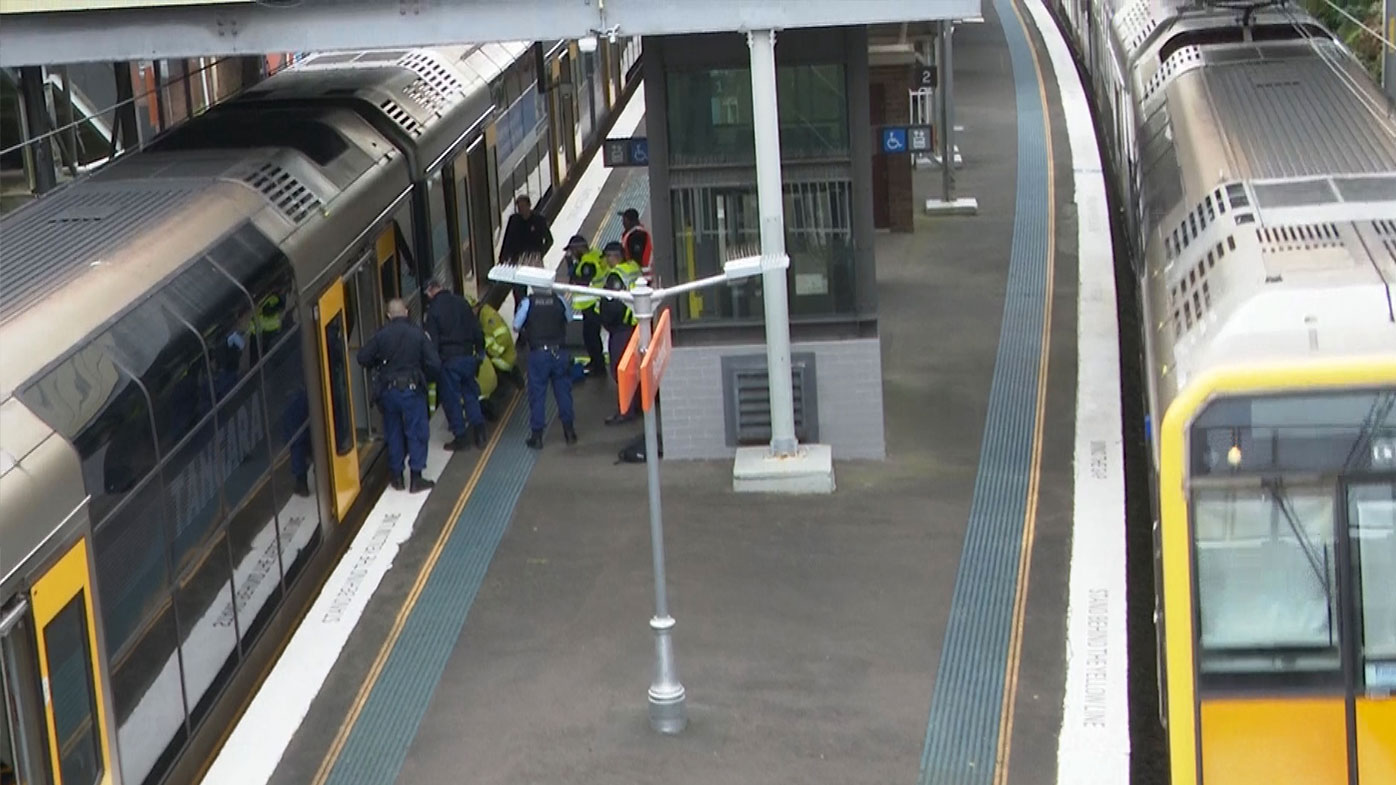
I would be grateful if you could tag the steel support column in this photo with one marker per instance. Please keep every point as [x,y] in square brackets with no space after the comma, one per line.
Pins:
[766,120]
[1388,52]
[124,132]
[37,128]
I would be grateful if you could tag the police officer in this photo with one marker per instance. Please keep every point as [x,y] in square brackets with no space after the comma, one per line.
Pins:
[545,316]
[619,320]
[586,268]
[404,357]
[455,330]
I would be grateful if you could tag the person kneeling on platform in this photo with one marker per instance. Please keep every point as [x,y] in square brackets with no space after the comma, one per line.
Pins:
[545,315]
[404,358]
[455,329]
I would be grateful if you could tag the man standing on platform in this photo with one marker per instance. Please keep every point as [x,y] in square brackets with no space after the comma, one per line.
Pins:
[526,236]
[404,358]
[455,330]
[636,240]
[588,269]
[545,316]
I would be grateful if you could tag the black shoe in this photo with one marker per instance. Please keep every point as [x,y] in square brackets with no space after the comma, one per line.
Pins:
[420,483]
[458,443]
[569,434]
[396,482]
[302,486]
[535,441]
[480,436]
[620,419]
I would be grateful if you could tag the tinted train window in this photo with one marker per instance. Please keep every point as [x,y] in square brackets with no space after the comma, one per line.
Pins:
[222,315]
[256,555]
[159,348]
[256,263]
[193,476]
[93,403]
[70,681]
[339,385]
[288,407]
[210,651]
[132,564]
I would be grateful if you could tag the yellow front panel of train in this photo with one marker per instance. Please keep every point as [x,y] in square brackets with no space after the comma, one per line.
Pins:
[1376,740]
[340,427]
[1295,741]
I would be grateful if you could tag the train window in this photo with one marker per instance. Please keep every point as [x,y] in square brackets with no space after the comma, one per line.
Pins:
[193,476]
[256,557]
[440,232]
[146,678]
[169,359]
[221,313]
[209,650]
[72,703]
[132,564]
[91,401]
[462,192]
[1372,527]
[242,438]
[339,385]
[260,268]
[1266,581]
[287,404]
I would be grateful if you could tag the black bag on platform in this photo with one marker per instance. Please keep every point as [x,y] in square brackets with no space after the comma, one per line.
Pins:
[634,452]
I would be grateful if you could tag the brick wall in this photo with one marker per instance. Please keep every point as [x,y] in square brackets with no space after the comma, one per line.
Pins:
[850,399]
[891,106]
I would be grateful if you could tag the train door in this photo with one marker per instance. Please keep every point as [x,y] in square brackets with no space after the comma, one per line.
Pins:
[480,204]
[335,365]
[23,759]
[61,649]
[1372,535]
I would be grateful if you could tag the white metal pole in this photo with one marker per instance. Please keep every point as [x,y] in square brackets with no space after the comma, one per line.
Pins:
[668,710]
[766,120]
[947,115]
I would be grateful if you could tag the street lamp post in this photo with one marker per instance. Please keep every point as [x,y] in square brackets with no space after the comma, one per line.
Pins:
[667,698]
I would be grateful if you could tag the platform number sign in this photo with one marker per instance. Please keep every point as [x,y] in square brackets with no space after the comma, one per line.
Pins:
[626,152]
[926,77]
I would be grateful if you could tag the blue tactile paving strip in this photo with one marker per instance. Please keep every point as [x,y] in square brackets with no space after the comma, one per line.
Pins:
[962,735]
[634,193]
[377,745]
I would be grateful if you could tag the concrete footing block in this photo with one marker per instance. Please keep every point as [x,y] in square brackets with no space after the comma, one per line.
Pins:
[809,471]
[967,205]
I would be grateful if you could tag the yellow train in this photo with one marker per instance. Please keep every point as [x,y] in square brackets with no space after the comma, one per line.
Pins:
[1258,163]
[185,441]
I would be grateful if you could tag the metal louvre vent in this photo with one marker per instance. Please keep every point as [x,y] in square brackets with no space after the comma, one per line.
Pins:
[1177,62]
[436,86]
[1308,237]
[747,402]
[1190,295]
[400,116]
[289,195]
[1138,22]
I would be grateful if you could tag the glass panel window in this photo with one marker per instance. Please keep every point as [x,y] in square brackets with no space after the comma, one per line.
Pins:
[242,441]
[132,567]
[339,386]
[463,220]
[222,314]
[210,650]
[193,476]
[149,701]
[1347,431]
[73,702]
[249,258]
[1266,579]
[1372,526]
[156,345]
[91,400]
[256,560]
[440,232]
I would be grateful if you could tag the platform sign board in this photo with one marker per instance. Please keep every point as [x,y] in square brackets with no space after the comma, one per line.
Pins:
[902,139]
[919,138]
[894,140]
[628,372]
[925,77]
[656,360]
[626,152]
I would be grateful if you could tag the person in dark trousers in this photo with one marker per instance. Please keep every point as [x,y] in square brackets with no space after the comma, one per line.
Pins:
[545,316]
[455,330]
[636,240]
[619,320]
[586,268]
[525,236]
[403,357]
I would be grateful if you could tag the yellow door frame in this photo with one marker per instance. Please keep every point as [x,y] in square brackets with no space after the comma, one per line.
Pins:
[344,476]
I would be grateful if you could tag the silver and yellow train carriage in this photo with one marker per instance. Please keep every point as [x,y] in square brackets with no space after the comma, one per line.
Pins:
[1259,163]
[185,441]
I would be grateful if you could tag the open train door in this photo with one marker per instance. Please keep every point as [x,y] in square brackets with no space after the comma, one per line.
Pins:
[1372,532]
[338,398]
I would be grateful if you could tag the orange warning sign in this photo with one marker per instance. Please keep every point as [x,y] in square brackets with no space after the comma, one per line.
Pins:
[656,360]
[628,372]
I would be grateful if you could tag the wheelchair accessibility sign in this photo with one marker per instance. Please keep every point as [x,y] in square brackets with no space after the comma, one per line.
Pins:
[899,140]
[894,140]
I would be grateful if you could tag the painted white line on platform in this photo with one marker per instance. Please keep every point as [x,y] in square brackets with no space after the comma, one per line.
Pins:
[257,744]
[1094,745]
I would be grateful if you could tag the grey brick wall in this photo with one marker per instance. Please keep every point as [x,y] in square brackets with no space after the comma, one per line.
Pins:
[850,399]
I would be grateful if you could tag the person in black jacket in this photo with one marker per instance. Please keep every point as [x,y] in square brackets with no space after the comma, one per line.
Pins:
[526,236]
[455,330]
[404,358]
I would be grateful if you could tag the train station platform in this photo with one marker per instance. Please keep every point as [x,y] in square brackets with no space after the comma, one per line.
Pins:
[953,614]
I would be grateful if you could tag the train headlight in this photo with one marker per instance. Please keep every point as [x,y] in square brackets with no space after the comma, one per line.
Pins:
[1233,455]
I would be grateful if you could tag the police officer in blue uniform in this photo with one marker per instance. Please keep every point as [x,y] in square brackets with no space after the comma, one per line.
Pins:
[544,316]
[455,330]
[404,358]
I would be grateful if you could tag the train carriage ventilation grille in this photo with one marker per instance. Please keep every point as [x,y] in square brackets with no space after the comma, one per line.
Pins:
[747,400]
[1386,230]
[399,115]
[1192,292]
[1138,23]
[1306,237]
[436,87]
[290,196]
[1203,214]
[1181,60]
